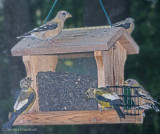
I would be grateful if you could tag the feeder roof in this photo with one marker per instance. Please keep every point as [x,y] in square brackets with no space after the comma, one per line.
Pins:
[78,40]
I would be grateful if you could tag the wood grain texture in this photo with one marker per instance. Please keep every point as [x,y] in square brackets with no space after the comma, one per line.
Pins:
[74,117]
[128,43]
[76,40]
[110,69]
[110,66]
[35,64]
[119,58]
[100,68]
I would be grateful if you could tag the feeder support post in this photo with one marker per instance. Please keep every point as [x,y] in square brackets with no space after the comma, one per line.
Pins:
[35,64]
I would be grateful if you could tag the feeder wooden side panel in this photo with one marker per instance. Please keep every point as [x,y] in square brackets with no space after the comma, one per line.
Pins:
[35,64]
[110,66]
[120,56]
[74,117]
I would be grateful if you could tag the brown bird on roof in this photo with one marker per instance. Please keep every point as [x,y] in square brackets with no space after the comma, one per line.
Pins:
[127,24]
[49,30]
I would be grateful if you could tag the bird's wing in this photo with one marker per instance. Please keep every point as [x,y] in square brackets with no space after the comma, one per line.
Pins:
[111,95]
[23,102]
[20,108]
[124,25]
[144,94]
[106,97]
[112,99]
[101,98]
[117,102]
[18,105]
[42,28]
[45,28]
[17,92]
[119,22]
[150,106]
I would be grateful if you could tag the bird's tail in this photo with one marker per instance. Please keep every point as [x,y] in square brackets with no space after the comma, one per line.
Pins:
[26,35]
[156,102]
[119,111]
[8,124]
[19,37]
[154,107]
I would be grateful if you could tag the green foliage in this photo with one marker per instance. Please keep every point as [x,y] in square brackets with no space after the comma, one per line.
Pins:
[145,66]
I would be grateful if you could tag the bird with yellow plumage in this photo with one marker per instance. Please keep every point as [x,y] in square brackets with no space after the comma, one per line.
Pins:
[106,98]
[24,101]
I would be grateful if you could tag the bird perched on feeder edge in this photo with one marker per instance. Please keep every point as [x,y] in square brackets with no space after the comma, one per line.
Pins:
[145,100]
[24,101]
[106,98]
[127,24]
[49,30]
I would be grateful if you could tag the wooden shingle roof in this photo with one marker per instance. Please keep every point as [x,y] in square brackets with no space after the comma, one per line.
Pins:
[77,40]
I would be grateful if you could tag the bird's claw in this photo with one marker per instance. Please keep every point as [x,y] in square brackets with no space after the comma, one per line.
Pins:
[50,41]
[100,110]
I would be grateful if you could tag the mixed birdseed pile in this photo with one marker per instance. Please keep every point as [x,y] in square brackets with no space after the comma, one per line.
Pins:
[59,91]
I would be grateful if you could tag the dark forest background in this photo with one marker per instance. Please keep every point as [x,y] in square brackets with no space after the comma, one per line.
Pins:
[19,16]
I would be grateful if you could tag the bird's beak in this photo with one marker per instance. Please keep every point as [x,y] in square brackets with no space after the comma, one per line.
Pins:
[69,15]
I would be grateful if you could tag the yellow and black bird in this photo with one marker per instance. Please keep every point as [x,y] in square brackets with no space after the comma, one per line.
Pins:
[49,30]
[145,101]
[24,101]
[127,24]
[106,98]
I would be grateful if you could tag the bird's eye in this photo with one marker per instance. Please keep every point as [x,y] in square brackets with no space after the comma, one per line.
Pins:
[63,14]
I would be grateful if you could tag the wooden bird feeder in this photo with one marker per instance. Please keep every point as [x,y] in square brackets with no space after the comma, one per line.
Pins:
[109,46]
